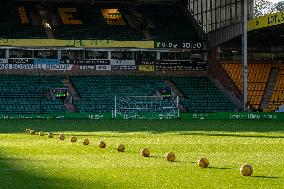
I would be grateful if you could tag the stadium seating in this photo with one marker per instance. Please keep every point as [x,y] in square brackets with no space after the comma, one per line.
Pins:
[27,94]
[200,95]
[168,23]
[71,20]
[92,22]
[277,97]
[97,93]
[258,75]
[15,24]
[68,21]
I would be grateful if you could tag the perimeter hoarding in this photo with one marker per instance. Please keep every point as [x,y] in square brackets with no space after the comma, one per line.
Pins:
[183,116]
[36,66]
[234,116]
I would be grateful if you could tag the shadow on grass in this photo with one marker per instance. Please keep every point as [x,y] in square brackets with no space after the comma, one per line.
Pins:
[267,177]
[182,134]
[12,176]
[152,126]
[232,135]
[156,156]
[163,157]
[210,167]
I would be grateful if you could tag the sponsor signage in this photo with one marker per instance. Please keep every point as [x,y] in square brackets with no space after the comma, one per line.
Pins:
[179,45]
[20,61]
[184,116]
[103,67]
[2,60]
[95,67]
[172,65]
[46,61]
[123,67]
[86,62]
[87,67]
[75,43]
[180,65]
[146,68]
[146,62]
[118,62]
[234,116]
[266,21]
[35,67]
[106,115]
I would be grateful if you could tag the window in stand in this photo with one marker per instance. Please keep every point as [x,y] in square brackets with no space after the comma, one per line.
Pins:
[145,55]
[2,53]
[20,53]
[89,54]
[45,54]
[122,55]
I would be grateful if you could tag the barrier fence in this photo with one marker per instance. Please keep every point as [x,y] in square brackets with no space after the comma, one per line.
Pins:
[183,116]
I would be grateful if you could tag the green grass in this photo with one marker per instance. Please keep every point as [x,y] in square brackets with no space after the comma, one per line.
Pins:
[31,161]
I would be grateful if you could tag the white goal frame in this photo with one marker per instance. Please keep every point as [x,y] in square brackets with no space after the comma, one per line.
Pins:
[146,107]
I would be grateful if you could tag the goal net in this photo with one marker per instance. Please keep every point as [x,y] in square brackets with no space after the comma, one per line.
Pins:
[146,107]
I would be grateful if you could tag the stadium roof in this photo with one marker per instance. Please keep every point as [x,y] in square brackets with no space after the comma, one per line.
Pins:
[264,31]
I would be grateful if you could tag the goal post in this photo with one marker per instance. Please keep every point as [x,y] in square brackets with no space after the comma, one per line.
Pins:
[145,107]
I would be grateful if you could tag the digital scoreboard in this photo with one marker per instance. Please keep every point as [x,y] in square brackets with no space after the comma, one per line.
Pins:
[61,92]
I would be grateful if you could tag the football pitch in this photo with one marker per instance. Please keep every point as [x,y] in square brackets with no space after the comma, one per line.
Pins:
[33,161]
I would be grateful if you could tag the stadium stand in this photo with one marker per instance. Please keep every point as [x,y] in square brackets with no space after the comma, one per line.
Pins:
[168,23]
[200,95]
[258,75]
[277,97]
[97,93]
[71,20]
[85,21]
[27,94]
[15,22]
[67,20]
[164,22]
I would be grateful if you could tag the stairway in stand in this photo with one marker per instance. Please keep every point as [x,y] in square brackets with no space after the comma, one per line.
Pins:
[74,95]
[71,88]
[177,93]
[269,88]
[70,107]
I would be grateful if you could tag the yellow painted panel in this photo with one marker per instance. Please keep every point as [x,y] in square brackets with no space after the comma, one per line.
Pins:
[266,21]
[147,68]
[75,43]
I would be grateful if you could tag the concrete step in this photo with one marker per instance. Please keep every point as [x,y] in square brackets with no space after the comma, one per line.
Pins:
[70,107]
[71,88]
[269,88]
